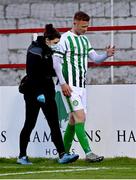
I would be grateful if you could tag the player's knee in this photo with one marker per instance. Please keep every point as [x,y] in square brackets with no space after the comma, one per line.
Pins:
[79,116]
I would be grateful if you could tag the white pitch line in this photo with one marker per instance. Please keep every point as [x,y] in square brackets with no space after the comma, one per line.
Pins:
[55,171]
[62,167]
[65,170]
[42,167]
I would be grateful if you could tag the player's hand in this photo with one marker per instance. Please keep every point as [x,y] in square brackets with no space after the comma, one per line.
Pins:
[66,89]
[110,51]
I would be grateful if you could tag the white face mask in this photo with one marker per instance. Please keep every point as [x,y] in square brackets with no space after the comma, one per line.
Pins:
[54,47]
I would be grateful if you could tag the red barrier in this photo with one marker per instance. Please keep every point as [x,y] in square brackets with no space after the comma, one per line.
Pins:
[90,64]
[10,66]
[113,63]
[93,28]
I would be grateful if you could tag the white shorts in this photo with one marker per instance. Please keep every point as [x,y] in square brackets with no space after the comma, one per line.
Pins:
[76,101]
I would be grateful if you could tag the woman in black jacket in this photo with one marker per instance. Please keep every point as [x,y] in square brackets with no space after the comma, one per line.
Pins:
[40,93]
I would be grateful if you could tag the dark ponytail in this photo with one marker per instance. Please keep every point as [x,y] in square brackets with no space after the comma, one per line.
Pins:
[50,32]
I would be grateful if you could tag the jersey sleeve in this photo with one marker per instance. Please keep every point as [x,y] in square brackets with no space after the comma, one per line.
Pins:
[61,48]
[89,47]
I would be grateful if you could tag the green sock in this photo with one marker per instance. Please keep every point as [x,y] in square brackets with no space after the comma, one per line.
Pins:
[82,137]
[68,137]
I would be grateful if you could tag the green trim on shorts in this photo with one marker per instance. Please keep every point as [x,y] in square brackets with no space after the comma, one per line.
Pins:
[70,104]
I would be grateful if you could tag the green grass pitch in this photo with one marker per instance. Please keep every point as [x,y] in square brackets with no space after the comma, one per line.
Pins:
[110,168]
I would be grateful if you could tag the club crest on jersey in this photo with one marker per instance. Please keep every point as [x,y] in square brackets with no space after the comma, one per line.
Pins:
[75,103]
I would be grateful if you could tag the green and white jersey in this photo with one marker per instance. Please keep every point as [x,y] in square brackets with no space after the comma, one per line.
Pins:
[74,50]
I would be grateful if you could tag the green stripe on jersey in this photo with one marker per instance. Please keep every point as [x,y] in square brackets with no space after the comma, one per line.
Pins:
[72,60]
[65,69]
[86,42]
[79,61]
[75,59]
[84,58]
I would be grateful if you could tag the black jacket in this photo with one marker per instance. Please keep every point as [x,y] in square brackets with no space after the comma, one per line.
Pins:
[39,67]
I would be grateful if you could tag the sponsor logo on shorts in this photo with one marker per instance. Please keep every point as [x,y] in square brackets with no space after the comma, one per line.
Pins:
[75,103]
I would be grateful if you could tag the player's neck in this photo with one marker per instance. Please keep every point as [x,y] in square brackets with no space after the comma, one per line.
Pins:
[75,32]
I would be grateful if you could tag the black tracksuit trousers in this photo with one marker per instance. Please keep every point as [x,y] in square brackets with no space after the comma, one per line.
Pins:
[49,109]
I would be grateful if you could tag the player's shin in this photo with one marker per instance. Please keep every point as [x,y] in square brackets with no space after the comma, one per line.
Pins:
[68,137]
